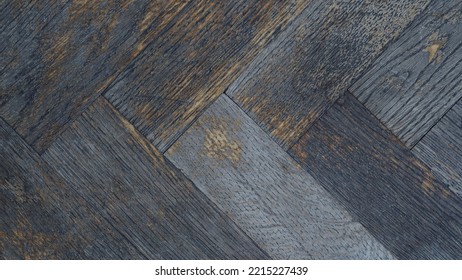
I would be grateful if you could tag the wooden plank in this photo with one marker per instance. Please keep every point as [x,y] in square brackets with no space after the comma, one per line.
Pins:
[259,186]
[42,217]
[441,149]
[142,194]
[58,56]
[288,87]
[391,192]
[418,78]
[186,69]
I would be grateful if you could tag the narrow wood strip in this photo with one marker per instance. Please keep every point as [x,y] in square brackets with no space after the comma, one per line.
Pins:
[187,68]
[58,56]
[129,183]
[441,148]
[417,79]
[391,192]
[288,87]
[257,184]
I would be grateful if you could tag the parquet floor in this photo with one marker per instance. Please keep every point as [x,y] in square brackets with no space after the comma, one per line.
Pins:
[243,129]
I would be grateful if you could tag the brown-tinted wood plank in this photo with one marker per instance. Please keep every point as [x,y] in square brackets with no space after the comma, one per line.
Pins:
[187,68]
[391,192]
[417,79]
[258,185]
[42,217]
[143,195]
[289,86]
[58,56]
[441,148]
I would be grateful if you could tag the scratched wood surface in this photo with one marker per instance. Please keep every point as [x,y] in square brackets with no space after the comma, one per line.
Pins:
[136,129]
[417,79]
[391,192]
[441,148]
[259,186]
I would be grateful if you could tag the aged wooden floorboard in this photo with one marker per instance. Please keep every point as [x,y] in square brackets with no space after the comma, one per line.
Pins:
[256,183]
[392,193]
[58,56]
[42,217]
[441,148]
[142,194]
[417,79]
[186,69]
[288,87]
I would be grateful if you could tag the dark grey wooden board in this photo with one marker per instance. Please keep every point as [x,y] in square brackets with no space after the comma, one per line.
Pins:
[256,183]
[391,192]
[58,56]
[315,60]
[129,183]
[42,217]
[186,69]
[441,148]
[417,79]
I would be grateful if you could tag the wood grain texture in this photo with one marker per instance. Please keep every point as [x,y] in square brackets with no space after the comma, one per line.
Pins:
[180,74]
[441,148]
[258,185]
[42,217]
[417,79]
[143,195]
[292,83]
[58,56]
[391,192]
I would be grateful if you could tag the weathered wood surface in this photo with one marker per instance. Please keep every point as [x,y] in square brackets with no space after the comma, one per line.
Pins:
[58,56]
[258,185]
[142,194]
[441,148]
[417,79]
[300,75]
[186,69]
[391,192]
[42,217]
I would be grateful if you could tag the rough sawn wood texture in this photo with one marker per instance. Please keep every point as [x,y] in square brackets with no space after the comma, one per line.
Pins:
[181,129]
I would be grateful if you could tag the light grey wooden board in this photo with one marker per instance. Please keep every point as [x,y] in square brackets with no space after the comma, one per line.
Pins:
[418,78]
[133,186]
[258,185]
[441,148]
[315,60]
[42,217]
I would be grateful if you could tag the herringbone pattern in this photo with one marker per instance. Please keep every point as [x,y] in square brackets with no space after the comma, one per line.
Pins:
[165,129]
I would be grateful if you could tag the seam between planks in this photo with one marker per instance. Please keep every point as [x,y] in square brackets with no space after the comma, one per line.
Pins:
[180,171]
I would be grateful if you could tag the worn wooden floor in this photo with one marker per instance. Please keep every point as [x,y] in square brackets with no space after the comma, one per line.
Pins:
[244,129]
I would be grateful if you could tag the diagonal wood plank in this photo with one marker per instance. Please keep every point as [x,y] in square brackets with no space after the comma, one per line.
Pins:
[256,183]
[288,87]
[58,56]
[187,68]
[441,148]
[391,192]
[133,186]
[417,79]
[42,217]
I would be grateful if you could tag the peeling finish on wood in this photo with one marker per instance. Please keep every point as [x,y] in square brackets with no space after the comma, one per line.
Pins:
[130,184]
[418,78]
[58,56]
[269,196]
[392,193]
[441,149]
[300,75]
[187,68]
